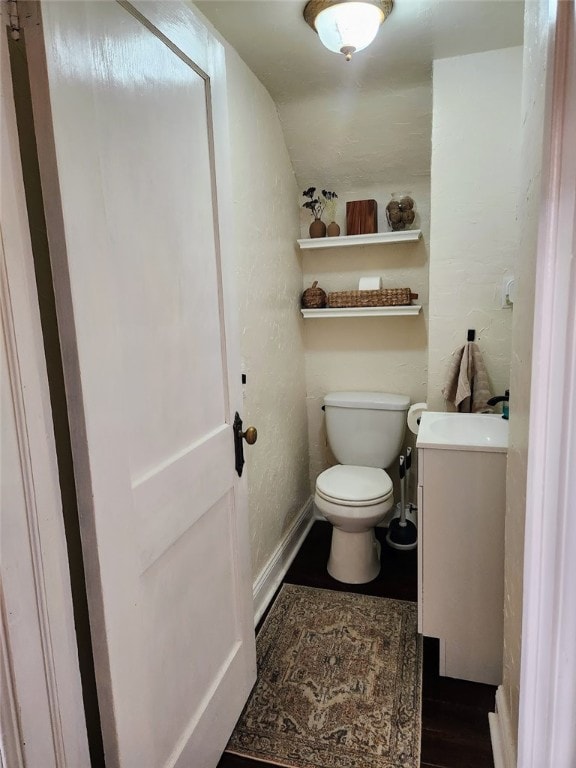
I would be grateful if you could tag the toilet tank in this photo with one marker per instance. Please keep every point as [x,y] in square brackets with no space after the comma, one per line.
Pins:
[366,429]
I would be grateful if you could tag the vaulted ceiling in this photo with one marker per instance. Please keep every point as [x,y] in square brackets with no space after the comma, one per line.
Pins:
[371,116]
[288,58]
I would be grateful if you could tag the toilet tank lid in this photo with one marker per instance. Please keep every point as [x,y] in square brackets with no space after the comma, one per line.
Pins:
[383,401]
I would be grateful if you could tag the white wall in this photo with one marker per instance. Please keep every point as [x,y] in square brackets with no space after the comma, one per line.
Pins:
[363,145]
[357,137]
[535,41]
[474,238]
[386,354]
[269,285]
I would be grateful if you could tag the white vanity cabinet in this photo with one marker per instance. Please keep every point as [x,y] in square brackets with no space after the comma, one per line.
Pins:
[461,502]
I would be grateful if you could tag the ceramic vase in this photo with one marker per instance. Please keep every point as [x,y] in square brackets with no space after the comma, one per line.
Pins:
[317,228]
[333,229]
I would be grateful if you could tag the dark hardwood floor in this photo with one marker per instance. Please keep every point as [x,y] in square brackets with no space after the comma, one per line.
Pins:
[455,731]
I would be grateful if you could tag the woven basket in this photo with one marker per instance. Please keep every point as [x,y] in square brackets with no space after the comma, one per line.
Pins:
[313,298]
[386,297]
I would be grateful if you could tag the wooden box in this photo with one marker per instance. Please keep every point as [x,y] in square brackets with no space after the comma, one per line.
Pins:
[361,217]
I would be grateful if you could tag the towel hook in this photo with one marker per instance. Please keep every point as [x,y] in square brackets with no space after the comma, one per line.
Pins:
[471,334]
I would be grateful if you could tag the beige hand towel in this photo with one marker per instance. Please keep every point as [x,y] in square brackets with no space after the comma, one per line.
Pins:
[467,384]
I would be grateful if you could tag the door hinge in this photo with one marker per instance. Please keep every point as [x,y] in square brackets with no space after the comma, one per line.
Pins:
[13,19]
[20,16]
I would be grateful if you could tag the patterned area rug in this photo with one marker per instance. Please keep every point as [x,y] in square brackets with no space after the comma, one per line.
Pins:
[339,683]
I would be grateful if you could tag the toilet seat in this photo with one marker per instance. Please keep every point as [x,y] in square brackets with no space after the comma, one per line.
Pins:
[352,486]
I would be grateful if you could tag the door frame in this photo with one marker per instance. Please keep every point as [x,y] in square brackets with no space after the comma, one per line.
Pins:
[548,663]
[47,553]
[547,700]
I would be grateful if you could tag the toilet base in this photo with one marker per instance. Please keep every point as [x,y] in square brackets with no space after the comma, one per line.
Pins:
[354,557]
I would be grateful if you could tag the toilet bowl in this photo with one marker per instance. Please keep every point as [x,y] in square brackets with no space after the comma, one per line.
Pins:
[354,500]
[365,431]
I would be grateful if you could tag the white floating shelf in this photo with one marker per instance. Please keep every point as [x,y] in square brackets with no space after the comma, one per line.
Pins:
[409,309]
[379,238]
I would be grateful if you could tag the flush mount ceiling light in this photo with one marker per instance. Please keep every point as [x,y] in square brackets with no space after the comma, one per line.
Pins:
[344,26]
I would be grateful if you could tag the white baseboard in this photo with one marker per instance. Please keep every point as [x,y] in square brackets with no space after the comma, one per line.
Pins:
[503,746]
[275,569]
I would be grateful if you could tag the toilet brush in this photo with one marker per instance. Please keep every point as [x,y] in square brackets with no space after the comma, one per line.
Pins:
[402,534]
[408,505]
[410,508]
[408,471]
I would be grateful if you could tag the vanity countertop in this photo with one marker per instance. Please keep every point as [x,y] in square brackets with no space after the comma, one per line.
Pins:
[463,432]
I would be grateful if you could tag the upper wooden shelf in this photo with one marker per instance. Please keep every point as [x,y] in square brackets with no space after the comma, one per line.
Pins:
[379,238]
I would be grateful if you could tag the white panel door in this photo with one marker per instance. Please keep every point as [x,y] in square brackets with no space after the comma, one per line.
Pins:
[137,110]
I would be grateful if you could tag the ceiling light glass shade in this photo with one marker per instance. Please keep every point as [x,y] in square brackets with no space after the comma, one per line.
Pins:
[348,27]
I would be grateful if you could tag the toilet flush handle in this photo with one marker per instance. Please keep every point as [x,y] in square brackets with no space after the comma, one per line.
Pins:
[250,435]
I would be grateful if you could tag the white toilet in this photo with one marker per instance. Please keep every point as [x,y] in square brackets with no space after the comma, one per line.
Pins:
[365,432]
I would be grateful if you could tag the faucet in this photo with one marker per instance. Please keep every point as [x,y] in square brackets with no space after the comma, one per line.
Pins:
[504,400]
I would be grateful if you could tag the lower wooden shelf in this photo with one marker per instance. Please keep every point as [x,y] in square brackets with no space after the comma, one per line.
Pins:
[409,309]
